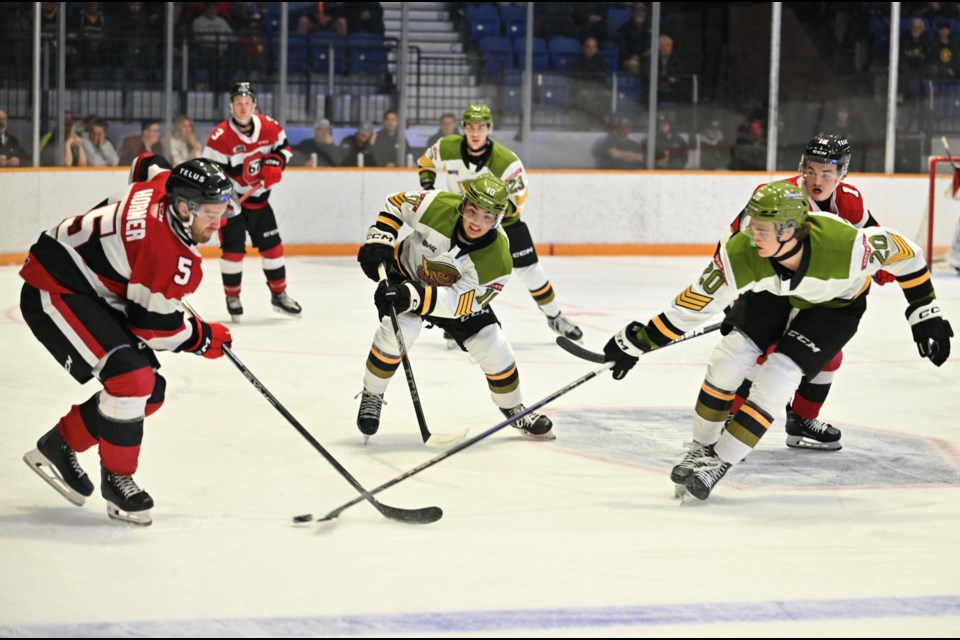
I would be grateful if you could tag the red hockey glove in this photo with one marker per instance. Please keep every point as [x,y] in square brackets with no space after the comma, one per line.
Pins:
[271,171]
[208,340]
[883,277]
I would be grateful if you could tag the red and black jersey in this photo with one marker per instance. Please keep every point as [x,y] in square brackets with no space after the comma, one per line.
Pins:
[845,202]
[129,254]
[241,156]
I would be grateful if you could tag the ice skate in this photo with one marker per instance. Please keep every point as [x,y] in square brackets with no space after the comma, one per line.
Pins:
[283,303]
[234,308]
[707,472]
[803,433]
[55,462]
[532,425]
[368,418]
[126,501]
[564,327]
[684,469]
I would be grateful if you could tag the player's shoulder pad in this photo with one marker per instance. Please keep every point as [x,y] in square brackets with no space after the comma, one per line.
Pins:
[147,166]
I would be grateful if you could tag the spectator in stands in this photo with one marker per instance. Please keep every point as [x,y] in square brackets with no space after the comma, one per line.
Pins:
[184,144]
[554,19]
[387,141]
[330,16]
[591,16]
[97,147]
[12,154]
[253,49]
[147,142]
[633,37]
[943,55]
[714,149]
[72,154]
[851,126]
[448,127]
[135,32]
[750,154]
[670,73]
[364,17]
[914,53]
[213,35]
[617,150]
[588,72]
[318,151]
[356,148]
[304,26]
[91,38]
[671,150]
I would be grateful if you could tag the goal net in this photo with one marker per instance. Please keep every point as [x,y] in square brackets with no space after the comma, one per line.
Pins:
[942,213]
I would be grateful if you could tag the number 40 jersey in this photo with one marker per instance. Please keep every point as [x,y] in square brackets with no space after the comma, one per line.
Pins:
[129,254]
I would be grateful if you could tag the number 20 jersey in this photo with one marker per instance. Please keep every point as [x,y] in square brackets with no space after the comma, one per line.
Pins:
[128,254]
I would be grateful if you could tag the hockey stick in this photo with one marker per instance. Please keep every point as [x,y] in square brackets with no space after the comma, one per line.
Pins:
[435,440]
[308,517]
[575,349]
[245,196]
[424,515]
[946,147]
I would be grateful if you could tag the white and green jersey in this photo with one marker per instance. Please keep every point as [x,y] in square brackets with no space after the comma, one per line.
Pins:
[445,166]
[458,279]
[838,263]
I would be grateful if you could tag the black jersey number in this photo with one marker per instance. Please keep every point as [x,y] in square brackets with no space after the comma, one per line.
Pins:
[78,230]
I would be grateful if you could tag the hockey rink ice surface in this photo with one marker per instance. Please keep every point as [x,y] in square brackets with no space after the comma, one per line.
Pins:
[576,537]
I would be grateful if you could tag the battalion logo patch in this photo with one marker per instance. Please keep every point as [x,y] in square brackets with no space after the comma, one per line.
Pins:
[438,274]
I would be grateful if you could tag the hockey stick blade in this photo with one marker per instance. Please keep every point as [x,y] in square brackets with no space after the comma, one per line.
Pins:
[444,440]
[575,349]
[424,515]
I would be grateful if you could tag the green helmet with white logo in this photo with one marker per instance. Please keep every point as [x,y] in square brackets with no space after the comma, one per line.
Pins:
[782,203]
[488,192]
[477,113]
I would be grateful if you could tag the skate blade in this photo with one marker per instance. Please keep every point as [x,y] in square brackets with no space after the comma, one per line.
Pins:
[235,319]
[685,497]
[42,467]
[284,312]
[139,518]
[799,442]
[543,437]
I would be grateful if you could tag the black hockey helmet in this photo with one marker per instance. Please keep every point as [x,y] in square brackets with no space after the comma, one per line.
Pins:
[827,148]
[197,182]
[242,89]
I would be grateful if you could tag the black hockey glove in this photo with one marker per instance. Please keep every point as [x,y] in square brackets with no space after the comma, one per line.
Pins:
[376,250]
[405,296]
[623,349]
[208,340]
[931,332]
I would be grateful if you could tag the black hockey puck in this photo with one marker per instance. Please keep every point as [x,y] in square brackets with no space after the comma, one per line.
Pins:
[307,517]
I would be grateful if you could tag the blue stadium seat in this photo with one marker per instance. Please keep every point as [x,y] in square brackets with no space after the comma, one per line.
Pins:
[563,51]
[617,17]
[554,91]
[320,43]
[298,52]
[368,55]
[484,21]
[612,56]
[497,53]
[541,59]
[514,21]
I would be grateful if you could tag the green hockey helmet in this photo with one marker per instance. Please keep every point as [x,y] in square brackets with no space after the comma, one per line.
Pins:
[477,113]
[782,203]
[488,192]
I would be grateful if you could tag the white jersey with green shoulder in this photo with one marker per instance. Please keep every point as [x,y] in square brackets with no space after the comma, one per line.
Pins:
[836,270]
[445,161]
[458,279]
